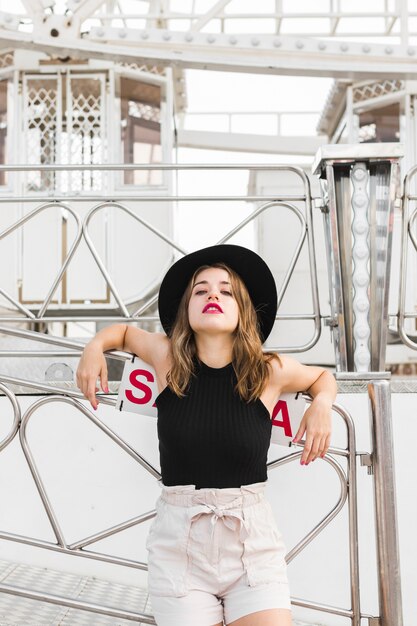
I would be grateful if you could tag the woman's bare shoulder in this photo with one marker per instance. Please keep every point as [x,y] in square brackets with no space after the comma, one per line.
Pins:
[291,376]
[162,355]
[280,371]
[275,366]
[153,348]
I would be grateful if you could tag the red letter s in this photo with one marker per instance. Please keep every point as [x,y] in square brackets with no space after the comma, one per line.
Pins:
[133,379]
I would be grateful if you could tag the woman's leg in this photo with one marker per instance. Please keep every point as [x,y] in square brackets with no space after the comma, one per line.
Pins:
[268,617]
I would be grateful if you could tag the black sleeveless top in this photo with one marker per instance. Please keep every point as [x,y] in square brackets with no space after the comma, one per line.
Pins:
[210,437]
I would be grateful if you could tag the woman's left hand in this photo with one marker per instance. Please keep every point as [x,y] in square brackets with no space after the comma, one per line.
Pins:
[317,421]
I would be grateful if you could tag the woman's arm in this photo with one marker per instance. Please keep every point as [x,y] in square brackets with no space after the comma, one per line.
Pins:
[317,420]
[93,364]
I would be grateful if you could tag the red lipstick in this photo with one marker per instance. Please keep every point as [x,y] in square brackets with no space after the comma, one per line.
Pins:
[212,304]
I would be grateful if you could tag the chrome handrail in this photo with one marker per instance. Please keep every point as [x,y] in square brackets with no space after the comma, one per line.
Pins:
[77,548]
[284,202]
[64,265]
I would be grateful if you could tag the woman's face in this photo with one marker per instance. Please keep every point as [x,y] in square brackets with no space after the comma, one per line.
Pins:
[212,307]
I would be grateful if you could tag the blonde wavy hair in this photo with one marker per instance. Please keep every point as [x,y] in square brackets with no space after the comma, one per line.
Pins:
[250,363]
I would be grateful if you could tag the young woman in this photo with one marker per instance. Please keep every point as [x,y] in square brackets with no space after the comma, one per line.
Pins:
[214,549]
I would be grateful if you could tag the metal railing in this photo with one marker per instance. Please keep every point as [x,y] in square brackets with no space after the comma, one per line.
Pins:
[379,461]
[118,202]
[348,492]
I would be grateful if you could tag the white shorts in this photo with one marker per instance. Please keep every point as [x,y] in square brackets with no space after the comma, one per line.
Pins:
[215,554]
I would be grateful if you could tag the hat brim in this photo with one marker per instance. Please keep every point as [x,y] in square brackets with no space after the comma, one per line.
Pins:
[253,270]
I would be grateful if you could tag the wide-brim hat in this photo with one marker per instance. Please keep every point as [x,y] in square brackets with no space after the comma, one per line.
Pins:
[252,269]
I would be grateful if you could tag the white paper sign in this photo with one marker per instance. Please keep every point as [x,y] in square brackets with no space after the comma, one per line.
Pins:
[138,390]
[286,417]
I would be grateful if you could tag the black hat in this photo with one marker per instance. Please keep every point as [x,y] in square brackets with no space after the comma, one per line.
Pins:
[253,270]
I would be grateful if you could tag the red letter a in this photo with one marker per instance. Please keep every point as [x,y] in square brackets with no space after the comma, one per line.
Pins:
[281,406]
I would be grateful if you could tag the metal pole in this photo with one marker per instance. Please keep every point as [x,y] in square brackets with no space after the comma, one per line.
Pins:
[389,580]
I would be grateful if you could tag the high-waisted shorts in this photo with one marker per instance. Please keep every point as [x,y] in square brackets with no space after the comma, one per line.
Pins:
[214,554]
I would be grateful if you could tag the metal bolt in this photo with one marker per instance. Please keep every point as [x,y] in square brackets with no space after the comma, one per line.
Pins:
[367,461]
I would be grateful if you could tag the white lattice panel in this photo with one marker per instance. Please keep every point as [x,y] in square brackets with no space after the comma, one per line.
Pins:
[375,89]
[64,123]
[141,67]
[41,127]
[85,100]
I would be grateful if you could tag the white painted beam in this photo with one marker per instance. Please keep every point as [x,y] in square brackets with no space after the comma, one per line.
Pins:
[239,142]
[281,56]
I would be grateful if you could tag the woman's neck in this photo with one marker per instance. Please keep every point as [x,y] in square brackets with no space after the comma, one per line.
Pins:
[214,353]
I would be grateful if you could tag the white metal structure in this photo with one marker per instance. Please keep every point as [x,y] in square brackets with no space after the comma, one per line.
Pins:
[222,36]
[86,82]
[82,114]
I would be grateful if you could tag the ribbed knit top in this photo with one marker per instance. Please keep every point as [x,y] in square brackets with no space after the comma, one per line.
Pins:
[210,437]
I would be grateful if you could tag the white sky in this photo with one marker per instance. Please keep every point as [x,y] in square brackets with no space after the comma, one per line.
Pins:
[225,91]
[205,223]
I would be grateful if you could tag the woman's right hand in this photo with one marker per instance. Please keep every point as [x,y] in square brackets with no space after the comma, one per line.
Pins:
[92,366]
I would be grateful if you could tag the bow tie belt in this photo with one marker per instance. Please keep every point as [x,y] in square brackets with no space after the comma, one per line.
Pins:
[231,518]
